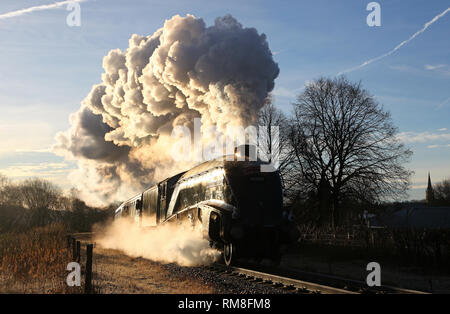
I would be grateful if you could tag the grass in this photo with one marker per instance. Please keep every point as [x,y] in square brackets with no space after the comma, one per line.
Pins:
[35,261]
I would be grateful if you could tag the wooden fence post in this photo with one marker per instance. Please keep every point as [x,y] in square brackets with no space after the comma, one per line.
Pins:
[74,248]
[88,274]
[78,256]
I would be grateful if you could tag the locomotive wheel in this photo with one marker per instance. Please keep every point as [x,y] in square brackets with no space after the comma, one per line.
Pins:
[228,252]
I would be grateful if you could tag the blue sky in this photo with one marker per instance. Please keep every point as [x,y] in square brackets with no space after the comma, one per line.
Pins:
[47,67]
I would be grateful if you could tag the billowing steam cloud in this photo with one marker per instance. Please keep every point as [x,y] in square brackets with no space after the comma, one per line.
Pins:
[121,135]
[169,243]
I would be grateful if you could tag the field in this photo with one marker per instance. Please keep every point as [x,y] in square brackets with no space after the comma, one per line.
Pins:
[34,261]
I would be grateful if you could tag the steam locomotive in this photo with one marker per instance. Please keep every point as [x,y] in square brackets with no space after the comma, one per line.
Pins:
[238,207]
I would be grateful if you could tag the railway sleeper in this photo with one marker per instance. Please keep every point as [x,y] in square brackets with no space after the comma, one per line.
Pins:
[289,287]
[303,290]
[278,285]
[257,280]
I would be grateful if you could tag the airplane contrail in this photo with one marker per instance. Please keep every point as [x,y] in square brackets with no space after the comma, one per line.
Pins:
[443,103]
[437,17]
[36,8]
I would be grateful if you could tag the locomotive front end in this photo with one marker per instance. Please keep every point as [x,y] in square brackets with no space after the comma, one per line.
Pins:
[255,229]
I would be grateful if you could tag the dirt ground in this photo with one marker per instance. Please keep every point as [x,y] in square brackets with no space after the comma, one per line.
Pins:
[112,274]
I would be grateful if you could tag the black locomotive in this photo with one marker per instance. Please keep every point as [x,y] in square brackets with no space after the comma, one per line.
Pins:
[238,207]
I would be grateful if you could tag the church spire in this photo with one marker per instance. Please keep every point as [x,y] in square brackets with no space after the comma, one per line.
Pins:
[430,193]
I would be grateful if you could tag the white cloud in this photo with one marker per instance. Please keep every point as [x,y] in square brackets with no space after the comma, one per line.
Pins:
[438,146]
[41,170]
[285,92]
[442,129]
[434,67]
[43,150]
[416,137]
[439,68]
[22,137]
[418,186]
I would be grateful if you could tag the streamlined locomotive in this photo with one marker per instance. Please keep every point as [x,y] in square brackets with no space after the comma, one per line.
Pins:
[238,207]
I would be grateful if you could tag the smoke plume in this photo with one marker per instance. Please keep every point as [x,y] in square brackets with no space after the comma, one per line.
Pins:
[121,135]
[167,243]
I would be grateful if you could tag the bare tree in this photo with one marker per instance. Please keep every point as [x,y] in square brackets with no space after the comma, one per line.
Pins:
[273,147]
[3,181]
[9,192]
[37,202]
[3,185]
[38,193]
[345,145]
[442,193]
[40,197]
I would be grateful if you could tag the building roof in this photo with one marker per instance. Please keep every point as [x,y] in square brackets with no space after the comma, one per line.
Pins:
[416,217]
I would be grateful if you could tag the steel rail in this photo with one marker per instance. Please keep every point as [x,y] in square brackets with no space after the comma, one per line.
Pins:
[278,281]
[346,282]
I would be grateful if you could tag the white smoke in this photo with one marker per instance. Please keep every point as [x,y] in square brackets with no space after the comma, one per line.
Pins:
[168,243]
[120,137]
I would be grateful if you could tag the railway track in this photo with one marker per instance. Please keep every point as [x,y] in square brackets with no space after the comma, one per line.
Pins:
[294,285]
[354,285]
[335,282]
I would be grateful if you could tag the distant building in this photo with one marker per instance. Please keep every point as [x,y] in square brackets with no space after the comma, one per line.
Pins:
[415,217]
[415,214]
[429,195]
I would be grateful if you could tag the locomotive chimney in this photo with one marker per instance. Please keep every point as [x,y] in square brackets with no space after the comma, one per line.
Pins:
[245,152]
